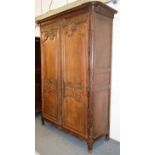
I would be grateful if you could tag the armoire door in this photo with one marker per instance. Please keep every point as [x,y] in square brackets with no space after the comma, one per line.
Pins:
[75,74]
[50,72]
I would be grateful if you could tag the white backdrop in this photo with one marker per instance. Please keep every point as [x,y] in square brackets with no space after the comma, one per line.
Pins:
[135,55]
[115,103]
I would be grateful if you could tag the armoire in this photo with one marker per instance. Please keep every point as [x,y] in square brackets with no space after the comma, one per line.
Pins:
[76,52]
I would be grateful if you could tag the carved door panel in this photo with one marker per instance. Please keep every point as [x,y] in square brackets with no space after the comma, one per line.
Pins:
[50,71]
[74,68]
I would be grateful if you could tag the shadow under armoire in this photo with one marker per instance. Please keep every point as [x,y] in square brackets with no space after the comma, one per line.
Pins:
[76,49]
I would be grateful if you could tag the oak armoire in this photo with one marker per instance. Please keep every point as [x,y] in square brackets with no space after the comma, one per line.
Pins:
[76,49]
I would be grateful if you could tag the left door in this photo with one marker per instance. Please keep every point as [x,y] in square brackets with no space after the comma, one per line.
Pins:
[50,71]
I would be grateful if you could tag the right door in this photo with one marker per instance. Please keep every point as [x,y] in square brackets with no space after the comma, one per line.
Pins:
[74,69]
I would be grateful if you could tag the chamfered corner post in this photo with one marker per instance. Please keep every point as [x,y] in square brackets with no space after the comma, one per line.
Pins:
[107,137]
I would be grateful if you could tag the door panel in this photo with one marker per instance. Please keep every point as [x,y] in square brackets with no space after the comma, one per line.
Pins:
[75,62]
[50,70]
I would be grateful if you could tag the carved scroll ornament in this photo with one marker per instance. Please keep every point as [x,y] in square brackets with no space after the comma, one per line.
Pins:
[49,34]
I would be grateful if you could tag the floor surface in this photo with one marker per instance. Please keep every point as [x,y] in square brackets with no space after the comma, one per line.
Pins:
[51,141]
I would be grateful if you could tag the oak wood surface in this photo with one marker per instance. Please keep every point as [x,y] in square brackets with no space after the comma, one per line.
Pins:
[50,72]
[74,69]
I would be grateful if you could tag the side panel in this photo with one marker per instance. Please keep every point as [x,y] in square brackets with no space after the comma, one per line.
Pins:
[50,44]
[102,74]
[75,67]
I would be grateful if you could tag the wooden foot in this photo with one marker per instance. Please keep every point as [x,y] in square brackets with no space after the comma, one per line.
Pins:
[107,137]
[90,146]
[42,120]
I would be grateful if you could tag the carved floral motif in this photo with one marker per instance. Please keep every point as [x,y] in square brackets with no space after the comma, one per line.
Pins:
[51,33]
[72,27]
[78,23]
[50,86]
[75,91]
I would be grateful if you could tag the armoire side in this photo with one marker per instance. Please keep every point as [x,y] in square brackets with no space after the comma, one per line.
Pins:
[76,49]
